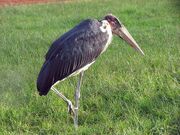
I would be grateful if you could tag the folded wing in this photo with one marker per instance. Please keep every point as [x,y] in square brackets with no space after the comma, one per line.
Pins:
[71,52]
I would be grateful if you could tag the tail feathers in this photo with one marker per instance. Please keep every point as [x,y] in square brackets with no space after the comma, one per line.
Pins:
[45,79]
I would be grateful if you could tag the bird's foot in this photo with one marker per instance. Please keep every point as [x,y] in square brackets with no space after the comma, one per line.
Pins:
[70,108]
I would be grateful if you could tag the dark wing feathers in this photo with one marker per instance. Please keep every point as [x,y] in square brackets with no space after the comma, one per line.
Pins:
[72,51]
[82,27]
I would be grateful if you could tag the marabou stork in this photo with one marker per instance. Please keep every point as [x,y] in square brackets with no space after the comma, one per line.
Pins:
[75,51]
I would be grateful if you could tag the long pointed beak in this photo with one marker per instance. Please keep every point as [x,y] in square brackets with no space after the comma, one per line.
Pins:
[124,34]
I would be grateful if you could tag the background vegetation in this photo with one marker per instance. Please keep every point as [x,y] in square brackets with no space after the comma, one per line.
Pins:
[122,93]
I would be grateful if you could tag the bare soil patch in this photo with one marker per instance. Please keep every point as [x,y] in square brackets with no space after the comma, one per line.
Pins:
[17,2]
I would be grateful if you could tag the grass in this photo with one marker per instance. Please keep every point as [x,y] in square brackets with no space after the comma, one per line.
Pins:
[122,93]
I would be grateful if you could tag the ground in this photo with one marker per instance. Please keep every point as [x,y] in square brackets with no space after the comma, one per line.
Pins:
[17,2]
[123,93]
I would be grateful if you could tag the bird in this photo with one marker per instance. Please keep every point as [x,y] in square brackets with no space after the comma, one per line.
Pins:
[75,51]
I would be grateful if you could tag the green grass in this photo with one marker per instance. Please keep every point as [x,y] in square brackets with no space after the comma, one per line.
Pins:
[122,93]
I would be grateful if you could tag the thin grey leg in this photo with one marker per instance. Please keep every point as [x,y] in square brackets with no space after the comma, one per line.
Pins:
[70,106]
[77,96]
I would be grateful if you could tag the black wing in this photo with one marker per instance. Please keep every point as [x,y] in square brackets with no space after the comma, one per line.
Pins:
[75,49]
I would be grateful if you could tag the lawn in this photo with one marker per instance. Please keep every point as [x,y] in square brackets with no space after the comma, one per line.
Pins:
[122,93]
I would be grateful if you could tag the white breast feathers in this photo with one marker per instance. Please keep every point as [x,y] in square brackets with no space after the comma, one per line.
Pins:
[105,27]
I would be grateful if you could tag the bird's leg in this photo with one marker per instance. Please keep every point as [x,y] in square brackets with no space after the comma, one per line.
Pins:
[77,96]
[69,103]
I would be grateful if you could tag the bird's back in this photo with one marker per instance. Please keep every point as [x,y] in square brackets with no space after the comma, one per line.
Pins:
[71,52]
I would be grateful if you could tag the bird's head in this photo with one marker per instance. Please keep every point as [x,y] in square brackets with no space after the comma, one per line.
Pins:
[120,30]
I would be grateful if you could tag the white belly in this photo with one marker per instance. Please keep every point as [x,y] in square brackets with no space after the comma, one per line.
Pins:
[82,69]
[76,72]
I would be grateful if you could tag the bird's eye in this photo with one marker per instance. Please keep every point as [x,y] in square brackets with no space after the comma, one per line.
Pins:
[104,27]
